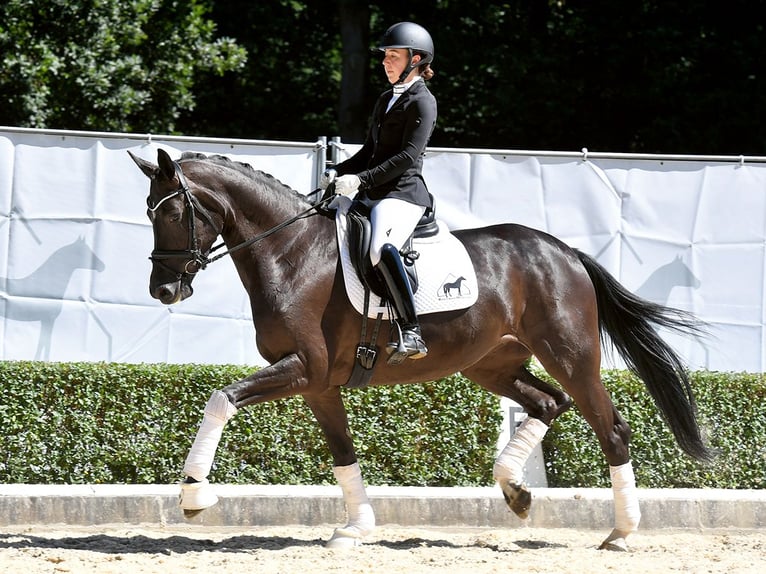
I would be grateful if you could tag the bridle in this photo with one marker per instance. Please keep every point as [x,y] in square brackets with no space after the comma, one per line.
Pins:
[193,254]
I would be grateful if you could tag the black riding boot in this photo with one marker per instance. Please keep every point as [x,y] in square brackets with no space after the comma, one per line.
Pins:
[410,343]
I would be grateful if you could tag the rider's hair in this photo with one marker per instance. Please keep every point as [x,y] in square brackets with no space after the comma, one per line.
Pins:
[426,72]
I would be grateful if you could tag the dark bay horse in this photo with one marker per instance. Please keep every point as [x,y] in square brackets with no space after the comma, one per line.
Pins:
[537,297]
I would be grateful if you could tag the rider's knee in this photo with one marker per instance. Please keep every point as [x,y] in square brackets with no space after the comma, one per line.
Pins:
[378,252]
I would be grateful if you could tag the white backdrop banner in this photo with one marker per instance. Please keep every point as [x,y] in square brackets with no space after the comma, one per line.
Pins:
[74,247]
[689,232]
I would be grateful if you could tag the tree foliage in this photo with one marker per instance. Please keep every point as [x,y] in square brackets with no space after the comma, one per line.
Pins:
[289,87]
[106,64]
[643,76]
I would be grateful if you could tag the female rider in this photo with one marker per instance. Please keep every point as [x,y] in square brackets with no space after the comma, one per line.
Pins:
[386,172]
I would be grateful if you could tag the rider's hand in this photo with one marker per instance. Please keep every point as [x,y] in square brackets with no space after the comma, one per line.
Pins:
[347,184]
[327,178]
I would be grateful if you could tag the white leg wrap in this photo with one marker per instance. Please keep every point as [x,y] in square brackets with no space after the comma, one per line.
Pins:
[510,464]
[627,514]
[200,458]
[361,518]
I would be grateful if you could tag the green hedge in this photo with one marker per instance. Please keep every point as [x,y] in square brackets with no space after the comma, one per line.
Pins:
[75,423]
[78,423]
[732,414]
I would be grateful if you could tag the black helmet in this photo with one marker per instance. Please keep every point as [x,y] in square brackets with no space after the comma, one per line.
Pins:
[411,36]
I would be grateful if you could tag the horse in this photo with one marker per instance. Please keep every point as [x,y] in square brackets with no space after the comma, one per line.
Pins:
[537,298]
[661,282]
[55,273]
[448,287]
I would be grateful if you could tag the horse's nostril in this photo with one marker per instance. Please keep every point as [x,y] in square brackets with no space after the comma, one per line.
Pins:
[164,293]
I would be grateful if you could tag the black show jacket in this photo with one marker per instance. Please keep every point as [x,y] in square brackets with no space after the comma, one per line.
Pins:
[390,163]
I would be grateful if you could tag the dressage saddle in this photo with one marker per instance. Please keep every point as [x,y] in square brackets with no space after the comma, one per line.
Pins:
[359,231]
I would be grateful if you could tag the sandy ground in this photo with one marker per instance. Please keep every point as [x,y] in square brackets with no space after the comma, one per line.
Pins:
[270,550]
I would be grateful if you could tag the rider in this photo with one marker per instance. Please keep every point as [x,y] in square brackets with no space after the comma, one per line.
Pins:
[387,170]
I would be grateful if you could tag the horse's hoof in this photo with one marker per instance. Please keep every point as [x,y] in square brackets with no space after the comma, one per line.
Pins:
[344,538]
[517,497]
[615,542]
[196,496]
[189,514]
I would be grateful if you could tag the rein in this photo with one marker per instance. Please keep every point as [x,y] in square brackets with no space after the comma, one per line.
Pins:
[265,234]
[193,252]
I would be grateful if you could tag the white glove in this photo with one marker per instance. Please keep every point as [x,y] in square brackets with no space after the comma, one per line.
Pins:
[327,178]
[347,184]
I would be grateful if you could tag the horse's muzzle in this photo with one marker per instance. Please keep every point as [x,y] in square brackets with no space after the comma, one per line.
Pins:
[171,293]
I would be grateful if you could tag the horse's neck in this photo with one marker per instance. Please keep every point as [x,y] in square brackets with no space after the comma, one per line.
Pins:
[260,213]
[659,284]
[655,283]
[55,272]
[280,257]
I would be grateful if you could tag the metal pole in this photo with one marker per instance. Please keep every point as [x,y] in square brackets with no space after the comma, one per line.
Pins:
[320,159]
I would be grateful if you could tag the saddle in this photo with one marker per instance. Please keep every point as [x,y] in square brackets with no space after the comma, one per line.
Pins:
[447,281]
[359,231]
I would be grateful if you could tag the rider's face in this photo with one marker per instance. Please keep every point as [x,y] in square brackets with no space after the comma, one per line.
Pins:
[395,61]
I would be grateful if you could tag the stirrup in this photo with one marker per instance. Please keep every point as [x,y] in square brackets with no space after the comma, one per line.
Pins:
[410,345]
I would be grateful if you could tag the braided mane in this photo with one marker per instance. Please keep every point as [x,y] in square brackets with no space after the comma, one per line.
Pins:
[242,167]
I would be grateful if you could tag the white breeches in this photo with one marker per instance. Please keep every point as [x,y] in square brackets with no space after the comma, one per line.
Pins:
[393,221]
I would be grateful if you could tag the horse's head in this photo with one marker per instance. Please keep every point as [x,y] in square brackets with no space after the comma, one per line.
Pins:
[681,274]
[80,256]
[184,230]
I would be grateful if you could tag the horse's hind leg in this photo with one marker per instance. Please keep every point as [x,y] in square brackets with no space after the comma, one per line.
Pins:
[579,374]
[543,403]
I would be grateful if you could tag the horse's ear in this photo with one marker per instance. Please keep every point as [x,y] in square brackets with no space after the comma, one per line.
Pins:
[167,167]
[150,170]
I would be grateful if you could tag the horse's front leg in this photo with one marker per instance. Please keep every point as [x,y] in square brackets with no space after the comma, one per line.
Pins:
[330,413]
[282,379]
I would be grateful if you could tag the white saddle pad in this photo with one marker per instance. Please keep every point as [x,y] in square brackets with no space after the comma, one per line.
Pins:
[446,277]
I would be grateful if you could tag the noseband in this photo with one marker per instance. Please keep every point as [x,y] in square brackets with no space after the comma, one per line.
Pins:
[193,254]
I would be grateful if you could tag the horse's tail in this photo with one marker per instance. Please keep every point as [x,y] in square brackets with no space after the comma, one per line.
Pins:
[629,321]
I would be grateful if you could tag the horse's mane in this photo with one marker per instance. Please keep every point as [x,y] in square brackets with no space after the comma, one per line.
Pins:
[244,168]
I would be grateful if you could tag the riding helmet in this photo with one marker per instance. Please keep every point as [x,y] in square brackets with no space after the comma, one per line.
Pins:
[409,35]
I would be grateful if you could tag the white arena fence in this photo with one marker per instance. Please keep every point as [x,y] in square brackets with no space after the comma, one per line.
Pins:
[685,231]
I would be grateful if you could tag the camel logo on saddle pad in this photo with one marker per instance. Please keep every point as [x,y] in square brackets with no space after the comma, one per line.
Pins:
[446,278]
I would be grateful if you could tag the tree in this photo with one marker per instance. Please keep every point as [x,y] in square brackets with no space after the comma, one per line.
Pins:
[289,88]
[644,76]
[123,65]
[355,38]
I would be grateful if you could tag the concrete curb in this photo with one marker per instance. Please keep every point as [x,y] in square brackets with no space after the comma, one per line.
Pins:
[584,508]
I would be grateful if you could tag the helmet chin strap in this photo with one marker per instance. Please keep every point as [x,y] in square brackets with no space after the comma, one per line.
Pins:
[408,69]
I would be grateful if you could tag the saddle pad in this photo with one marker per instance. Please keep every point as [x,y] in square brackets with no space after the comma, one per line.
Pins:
[446,278]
